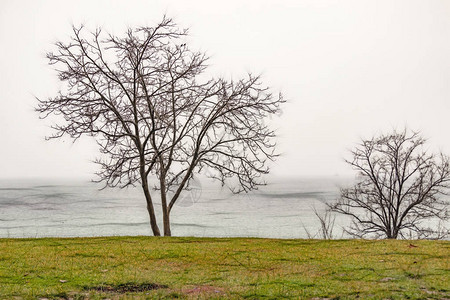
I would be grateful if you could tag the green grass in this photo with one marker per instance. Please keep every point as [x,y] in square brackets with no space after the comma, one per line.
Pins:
[147,267]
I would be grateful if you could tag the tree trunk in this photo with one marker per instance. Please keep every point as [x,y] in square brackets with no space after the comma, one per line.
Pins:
[392,234]
[165,208]
[151,210]
[166,220]
[395,234]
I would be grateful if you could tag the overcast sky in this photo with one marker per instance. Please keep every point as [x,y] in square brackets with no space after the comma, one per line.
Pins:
[349,70]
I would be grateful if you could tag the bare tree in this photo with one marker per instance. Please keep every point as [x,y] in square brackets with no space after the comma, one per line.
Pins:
[146,100]
[398,189]
[327,225]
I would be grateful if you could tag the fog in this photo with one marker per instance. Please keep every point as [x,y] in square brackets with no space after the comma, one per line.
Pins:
[349,70]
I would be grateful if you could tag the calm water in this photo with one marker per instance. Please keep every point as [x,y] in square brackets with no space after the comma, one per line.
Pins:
[282,209]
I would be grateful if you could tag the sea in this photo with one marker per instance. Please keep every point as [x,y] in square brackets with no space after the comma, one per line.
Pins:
[284,208]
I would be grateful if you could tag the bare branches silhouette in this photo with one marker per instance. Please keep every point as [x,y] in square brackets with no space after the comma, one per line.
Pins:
[398,190]
[154,113]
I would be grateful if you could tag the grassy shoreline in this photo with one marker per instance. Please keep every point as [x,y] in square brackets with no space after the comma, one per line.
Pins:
[186,267]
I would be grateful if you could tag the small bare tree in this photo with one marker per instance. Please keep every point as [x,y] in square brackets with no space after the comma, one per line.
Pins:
[145,98]
[327,225]
[398,188]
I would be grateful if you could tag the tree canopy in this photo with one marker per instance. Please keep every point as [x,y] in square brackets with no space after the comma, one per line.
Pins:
[400,189]
[146,99]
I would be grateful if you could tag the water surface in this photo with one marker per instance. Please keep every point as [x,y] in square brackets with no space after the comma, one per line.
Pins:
[282,209]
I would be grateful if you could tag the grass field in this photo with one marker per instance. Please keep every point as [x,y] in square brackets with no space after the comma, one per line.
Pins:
[148,267]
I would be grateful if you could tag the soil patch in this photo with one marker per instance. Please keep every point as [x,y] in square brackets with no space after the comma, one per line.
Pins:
[128,287]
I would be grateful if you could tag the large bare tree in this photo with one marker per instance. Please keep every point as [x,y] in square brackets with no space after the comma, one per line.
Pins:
[157,117]
[400,191]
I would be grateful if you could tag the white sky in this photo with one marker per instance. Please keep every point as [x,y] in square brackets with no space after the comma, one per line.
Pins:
[349,69]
